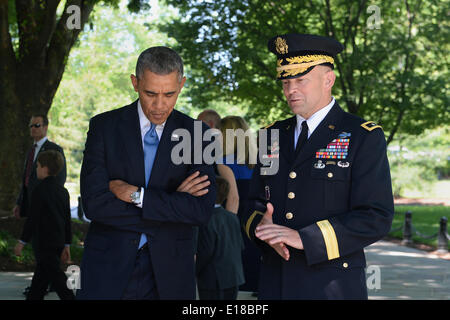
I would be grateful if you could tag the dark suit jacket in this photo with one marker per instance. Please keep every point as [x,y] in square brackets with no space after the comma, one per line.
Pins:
[24,198]
[220,245]
[338,206]
[114,151]
[48,225]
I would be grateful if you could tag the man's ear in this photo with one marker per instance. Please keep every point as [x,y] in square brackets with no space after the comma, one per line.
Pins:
[182,83]
[330,78]
[134,82]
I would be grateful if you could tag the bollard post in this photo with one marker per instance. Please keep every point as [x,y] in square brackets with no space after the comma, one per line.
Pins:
[407,229]
[80,211]
[442,236]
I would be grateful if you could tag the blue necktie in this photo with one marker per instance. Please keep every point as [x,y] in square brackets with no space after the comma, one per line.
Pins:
[151,142]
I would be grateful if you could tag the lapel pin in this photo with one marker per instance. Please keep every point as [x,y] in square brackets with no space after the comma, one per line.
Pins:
[331,127]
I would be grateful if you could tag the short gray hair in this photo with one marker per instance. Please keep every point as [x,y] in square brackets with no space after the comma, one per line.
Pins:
[160,60]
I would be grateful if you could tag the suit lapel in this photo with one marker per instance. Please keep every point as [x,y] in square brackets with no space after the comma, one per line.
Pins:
[327,130]
[130,131]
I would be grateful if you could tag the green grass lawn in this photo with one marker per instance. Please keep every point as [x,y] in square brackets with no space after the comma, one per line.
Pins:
[425,219]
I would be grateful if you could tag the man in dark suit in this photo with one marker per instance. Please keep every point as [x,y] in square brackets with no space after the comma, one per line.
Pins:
[331,195]
[38,131]
[143,203]
[48,226]
[219,261]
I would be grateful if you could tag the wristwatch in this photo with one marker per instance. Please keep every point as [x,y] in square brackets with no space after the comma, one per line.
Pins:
[136,196]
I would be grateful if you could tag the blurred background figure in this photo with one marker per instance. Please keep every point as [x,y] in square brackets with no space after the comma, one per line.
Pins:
[212,119]
[240,163]
[219,252]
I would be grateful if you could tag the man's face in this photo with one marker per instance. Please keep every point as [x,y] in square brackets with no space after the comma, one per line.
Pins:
[309,93]
[157,94]
[37,128]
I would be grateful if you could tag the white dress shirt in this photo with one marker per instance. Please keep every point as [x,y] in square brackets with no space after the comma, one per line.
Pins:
[313,121]
[39,146]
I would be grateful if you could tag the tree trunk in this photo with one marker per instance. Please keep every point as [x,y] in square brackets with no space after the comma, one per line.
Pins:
[29,79]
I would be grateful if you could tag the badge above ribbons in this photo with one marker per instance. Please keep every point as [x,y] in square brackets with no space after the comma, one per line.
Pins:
[336,149]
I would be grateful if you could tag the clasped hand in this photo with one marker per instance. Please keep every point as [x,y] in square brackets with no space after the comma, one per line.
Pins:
[194,185]
[277,236]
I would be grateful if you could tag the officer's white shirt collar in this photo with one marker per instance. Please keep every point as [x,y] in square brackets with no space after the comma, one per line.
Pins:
[145,124]
[313,121]
[39,145]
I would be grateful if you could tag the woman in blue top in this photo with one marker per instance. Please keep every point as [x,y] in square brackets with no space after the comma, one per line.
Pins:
[240,153]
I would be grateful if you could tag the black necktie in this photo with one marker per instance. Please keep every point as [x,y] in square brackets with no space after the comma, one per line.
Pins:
[302,137]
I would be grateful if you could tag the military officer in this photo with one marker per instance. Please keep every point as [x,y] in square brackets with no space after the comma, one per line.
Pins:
[331,195]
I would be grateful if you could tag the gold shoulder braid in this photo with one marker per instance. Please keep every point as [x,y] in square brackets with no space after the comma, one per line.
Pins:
[370,126]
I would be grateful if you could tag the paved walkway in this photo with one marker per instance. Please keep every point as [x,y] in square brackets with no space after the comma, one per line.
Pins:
[404,273]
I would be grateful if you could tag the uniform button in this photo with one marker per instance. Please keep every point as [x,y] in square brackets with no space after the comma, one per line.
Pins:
[345,265]
[292,175]
[291,195]
[330,175]
[289,215]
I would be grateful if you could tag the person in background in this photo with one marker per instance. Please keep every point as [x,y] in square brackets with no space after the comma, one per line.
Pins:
[38,131]
[212,119]
[240,163]
[49,228]
[219,265]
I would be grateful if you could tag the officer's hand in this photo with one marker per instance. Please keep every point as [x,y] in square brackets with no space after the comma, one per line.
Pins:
[275,234]
[267,222]
[195,185]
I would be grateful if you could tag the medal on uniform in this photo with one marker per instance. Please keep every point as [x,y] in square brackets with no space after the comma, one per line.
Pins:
[336,149]
[319,165]
[344,135]
[343,164]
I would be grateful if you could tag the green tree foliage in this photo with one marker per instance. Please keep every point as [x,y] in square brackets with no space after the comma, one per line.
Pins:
[419,161]
[36,37]
[97,79]
[394,68]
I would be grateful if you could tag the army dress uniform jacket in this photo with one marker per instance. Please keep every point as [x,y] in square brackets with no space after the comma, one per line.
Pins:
[340,202]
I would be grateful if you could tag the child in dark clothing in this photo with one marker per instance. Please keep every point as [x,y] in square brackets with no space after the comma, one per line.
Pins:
[219,262]
[48,227]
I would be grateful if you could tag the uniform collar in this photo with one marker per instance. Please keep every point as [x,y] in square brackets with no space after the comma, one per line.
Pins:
[315,119]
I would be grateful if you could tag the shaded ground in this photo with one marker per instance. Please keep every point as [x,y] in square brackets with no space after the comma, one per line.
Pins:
[404,273]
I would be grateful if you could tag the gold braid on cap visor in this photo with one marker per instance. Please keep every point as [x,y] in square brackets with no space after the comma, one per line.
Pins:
[300,64]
